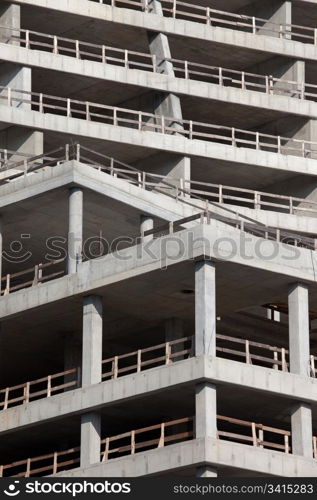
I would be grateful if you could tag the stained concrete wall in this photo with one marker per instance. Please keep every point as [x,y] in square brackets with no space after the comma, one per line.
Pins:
[286,69]
[277,12]
[20,78]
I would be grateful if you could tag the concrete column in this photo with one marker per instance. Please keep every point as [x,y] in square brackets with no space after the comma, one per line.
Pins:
[91,374]
[146,224]
[17,77]
[302,432]
[175,169]
[10,16]
[299,349]
[206,471]
[92,340]
[274,11]
[168,104]
[205,308]
[206,411]
[90,439]
[75,229]
[298,317]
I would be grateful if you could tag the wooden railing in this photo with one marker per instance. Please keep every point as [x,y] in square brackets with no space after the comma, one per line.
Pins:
[250,352]
[177,188]
[35,276]
[6,154]
[213,192]
[154,436]
[212,17]
[258,435]
[313,366]
[137,361]
[233,348]
[44,387]
[169,228]
[139,120]
[188,70]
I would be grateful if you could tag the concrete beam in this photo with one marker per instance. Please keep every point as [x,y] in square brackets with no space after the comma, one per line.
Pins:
[211,452]
[191,371]
[169,84]
[211,242]
[150,202]
[178,27]
[154,141]
[205,308]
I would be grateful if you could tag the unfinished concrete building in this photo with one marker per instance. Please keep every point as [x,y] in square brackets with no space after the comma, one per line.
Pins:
[158,262]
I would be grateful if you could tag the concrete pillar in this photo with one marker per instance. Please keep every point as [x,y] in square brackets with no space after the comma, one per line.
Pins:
[90,442]
[167,104]
[302,432]
[299,350]
[75,229]
[278,12]
[16,138]
[92,340]
[205,308]
[10,16]
[175,169]
[298,317]
[206,471]
[174,330]
[91,374]
[206,411]
[146,224]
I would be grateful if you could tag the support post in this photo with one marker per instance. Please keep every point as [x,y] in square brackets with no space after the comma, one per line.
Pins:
[298,317]
[92,340]
[205,308]
[91,374]
[167,103]
[206,411]
[90,439]
[302,432]
[146,224]
[205,420]
[299,349]
[75,229]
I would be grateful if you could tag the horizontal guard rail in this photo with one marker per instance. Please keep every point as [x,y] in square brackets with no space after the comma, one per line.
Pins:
[154,436]
[129,59]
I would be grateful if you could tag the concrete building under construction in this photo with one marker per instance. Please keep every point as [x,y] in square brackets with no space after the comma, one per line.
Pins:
[158,204]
